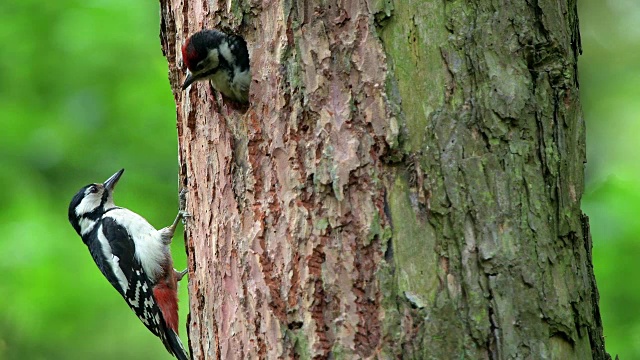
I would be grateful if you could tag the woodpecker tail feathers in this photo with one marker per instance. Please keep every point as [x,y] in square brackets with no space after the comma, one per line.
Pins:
[174,345]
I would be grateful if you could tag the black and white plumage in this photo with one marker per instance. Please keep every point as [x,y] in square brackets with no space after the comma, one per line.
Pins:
[221,58]
[133,256]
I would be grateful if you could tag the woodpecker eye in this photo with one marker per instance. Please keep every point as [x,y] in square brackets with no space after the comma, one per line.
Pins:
[93,189]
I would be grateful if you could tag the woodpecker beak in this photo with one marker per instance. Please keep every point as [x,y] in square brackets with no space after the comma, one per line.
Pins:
[189,80]
[113,180]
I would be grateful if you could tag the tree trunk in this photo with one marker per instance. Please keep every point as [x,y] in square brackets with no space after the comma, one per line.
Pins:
[406,183]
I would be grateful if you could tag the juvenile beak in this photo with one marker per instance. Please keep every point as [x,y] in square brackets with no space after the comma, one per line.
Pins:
[111,182]
[189,80]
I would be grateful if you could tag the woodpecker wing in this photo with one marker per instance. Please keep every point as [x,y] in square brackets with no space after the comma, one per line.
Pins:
[118,263]
[238,48]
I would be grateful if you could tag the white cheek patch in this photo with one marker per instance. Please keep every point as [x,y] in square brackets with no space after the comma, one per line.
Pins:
[89,203]
[113,261]
[211,61]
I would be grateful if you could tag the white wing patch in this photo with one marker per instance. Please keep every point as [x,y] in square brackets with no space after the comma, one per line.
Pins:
[226,52]
[113,261]
[212,60]
[150,250]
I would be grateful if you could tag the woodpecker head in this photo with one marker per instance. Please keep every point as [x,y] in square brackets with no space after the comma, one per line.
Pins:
[90,203]
[201,55]
[221,58]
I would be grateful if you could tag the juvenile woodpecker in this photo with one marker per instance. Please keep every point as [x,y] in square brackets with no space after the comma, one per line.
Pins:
[133,256]
[221,58]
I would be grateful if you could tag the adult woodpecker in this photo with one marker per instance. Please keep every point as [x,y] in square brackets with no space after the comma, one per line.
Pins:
[133,256]
[221,58]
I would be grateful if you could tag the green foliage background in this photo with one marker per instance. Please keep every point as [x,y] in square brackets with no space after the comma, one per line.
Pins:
[610,91]
[84,92]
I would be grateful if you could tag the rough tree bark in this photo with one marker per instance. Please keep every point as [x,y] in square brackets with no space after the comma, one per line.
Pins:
[406,182]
